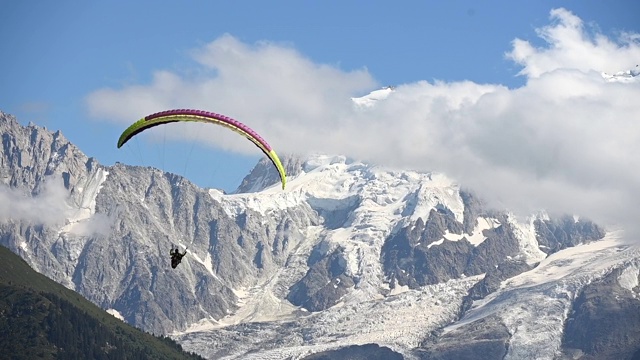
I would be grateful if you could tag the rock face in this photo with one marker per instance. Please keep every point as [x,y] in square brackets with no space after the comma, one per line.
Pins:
[486,338]
[55,179]
[350,260]
[358,352]
[557,234]
[324,284]
[111,240]
[605,320]
[492,281]
[263,175]
[410,258]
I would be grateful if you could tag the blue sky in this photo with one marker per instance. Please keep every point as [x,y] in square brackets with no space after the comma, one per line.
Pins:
[289,68]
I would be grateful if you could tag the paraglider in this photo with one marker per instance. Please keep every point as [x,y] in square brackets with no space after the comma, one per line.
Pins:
[187,115]
[176,256]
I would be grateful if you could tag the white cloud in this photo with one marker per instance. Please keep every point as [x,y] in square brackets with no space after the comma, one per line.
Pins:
[48,207]
[572,45]
[97,224]
[565,141]
[270,87]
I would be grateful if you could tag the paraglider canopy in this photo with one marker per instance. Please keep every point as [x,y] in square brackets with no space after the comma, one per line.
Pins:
[180,115]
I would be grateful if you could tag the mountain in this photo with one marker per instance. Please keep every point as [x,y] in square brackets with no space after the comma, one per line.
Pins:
[42,319]
[351,260]
[627,76]
[372,98]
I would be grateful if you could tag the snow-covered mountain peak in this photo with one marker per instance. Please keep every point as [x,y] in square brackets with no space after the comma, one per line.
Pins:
[322,176]
[373,97]
[360,205]
[627,76]
[402,192]
[264,175]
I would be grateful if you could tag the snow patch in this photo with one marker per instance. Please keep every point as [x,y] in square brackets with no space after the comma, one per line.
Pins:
[272,199]
[476,237]
[436,191]
[205,324]
[528,242]
[436,243]
[595,257]
[208,263]
[399,289]
[629,277]
[80,223]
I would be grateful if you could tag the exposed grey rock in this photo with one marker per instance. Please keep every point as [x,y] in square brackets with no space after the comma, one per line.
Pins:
[57,261]
[500,245]
[492,280]
[31,153]
[144,211]
[264,174]
[324,284]
[440,263]
[473,208]
[122,270]
[173,210]
[409,259]
[32,162]
[557,234]
[605,322]
[334,212]
[485,339]
[357,352]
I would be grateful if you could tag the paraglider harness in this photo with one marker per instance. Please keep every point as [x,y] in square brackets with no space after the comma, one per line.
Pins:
[176,256]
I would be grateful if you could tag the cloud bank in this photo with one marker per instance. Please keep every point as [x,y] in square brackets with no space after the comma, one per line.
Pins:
[50,207]
[566,141]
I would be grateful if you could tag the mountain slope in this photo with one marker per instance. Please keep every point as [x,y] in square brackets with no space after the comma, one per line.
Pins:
[530,310]
[43,319]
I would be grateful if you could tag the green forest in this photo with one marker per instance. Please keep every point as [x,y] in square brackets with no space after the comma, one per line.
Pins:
[41,319]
